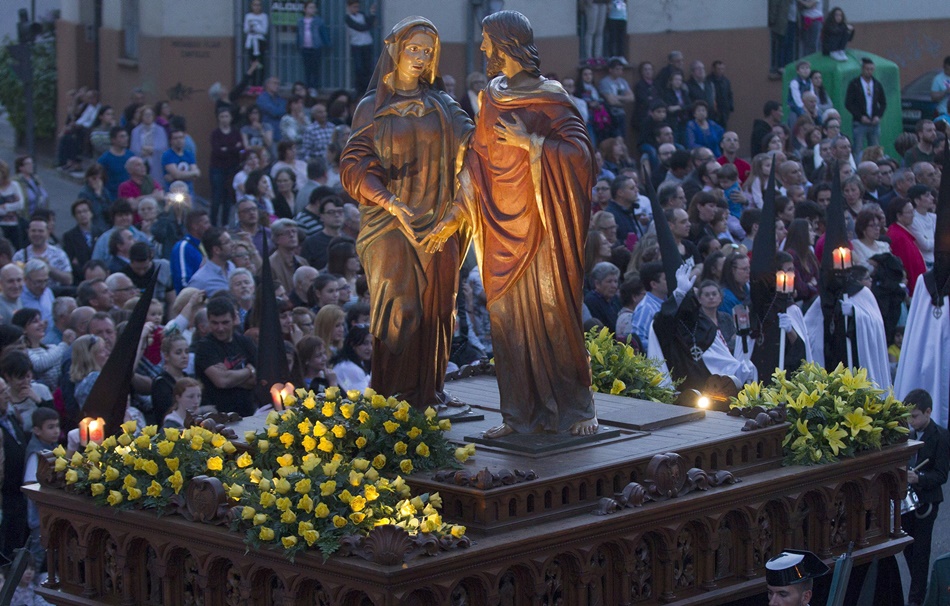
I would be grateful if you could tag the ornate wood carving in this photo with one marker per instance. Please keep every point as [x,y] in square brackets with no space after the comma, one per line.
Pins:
[484,479]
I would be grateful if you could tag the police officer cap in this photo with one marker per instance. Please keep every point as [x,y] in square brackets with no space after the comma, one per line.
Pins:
[793,566]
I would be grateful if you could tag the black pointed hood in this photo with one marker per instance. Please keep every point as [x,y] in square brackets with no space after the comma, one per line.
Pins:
[664,237]
[762,265]
[836,234]
[110,393]
[941,269]
[271,357]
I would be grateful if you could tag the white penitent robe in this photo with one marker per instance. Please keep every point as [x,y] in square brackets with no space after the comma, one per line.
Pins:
[925,353]
[869,330]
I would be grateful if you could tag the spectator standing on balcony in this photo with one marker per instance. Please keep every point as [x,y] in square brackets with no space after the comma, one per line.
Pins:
[615,32]
[617,93]
[227,144]
[312,37]
[783,23]
[836,32]
[256,26]
[359,30]
[595,12]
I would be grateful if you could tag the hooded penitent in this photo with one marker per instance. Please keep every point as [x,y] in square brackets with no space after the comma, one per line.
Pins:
[271,357]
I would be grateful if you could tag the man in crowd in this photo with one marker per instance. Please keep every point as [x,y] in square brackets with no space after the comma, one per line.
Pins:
[187,254]
[249,225]
[225,362]
[114,159]
[63,308]
[212,276]
[866,102]
[654,281]
[284,261]
[699,88]
[139,184]
[730,155]
[95,294]
[120,243]
[11,290]
[121,285]
[318,135]
[623,206]
[241,287]
[179,162]
[316,179]
[79,241]
[617,93]
[870,176]
[37,293]
[772,116]
[308,217]
[272,105]
[122,215]
[315,247]
[60,270]
[303,279]
[725,104]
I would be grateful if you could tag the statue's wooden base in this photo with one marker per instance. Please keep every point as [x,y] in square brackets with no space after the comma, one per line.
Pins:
[674,506]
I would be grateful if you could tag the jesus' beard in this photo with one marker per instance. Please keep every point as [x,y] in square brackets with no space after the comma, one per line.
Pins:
[496,62]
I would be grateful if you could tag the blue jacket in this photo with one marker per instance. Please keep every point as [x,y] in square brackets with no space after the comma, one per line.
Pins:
[318,32]
[185,261]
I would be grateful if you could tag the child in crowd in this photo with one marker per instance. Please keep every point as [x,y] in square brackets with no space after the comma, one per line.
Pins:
[728,177]
[894,350]
[25,593]
[45,437]
[796,87]
[187,398]
[835,35]
[256,25]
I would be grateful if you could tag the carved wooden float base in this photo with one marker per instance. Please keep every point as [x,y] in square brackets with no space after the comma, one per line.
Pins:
[680,507]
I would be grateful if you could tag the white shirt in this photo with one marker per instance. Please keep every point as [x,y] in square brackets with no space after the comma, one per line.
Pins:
[924,228]
[868,87]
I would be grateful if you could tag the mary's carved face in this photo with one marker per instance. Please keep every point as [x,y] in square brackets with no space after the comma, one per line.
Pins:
[415,59]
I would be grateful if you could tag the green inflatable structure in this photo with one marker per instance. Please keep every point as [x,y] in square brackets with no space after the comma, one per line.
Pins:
[837,75]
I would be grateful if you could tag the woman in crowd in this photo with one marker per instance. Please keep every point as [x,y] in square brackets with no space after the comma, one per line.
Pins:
[615,155]
[900,215]
[95,191]
[835,34]
[46,359]
[818,87]
[257,187]
[852,190]
[164,116]
[313,356]
[676,97]
[99,135]
[798,244]
[256,133]
[758,178]
[598,118]
[227,144]
[149,141]
[701,131]
[31,186]
[868,228]
[597,250]
[735,281]
[352,363]
[702,213]
[89,355]
[186,396]
[175,355]
[295,121]
[772,142]
[285,182]
[11,203]
[251,162]
[243,256]
[600,198]
[342,260]
[712,266]
[330,325]
[710,298]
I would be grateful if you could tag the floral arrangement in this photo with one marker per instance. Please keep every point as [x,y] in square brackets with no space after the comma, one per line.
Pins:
[619,370]
[831,414]
[326,467]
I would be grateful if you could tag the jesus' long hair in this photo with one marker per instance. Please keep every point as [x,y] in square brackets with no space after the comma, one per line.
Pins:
[510,32]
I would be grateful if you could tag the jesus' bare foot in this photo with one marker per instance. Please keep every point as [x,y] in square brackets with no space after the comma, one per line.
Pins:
[499,432]
[587,427]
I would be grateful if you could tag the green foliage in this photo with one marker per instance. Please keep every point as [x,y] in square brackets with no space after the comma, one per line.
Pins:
[618,370]
[831,415]
[44,89]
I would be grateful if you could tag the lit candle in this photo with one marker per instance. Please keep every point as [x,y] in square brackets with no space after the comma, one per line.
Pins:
[785,282]
[91,430]
[842,258]
[279,393]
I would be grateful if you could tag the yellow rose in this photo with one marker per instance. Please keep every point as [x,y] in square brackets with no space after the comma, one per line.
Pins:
[400,448]
[283,503]
[325,445]
[129,426]
[215,464]
[244,460]
[60,464]
[94,474]
[461,455]
[142,442]
[406,466]
[287,439]
[108,443]
[125,439]
[309,402]
[172,465]
[319,429]
[422,450]
[332,392]
[360,464]
[303,486]
[154,489]
[134,493]
[369,392]
[402,412]
[327,488]
[172,434]
[371,475]
[363,417]
[430,413]
[97,489]
[150,467]
[345,496]
[236,491]
[311,536]
[259,519]
[288,517]
[353,394]
[356,518]
[285,459]
[305,503]
[273,417]
[328,408]
[414,433]
[286,471]
[282,486]
[248,513]
[378,401]
[129,480]
[114,498]
[321,510]
[390,427]
[176,481]
[288,542]
[435,499]
[250,436]
[197,442]
[309,463]
[379,461]
[94,456]
[346,410]
[370,493]
[445,424]
[458,531]
[263,446]
[112,474]
[59,451]
[229,448]
[150,430]
[337,520]
[360,442]
[266,534]
[72,476]
[308,444]
[264,484]
[329,469]
[339,431]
